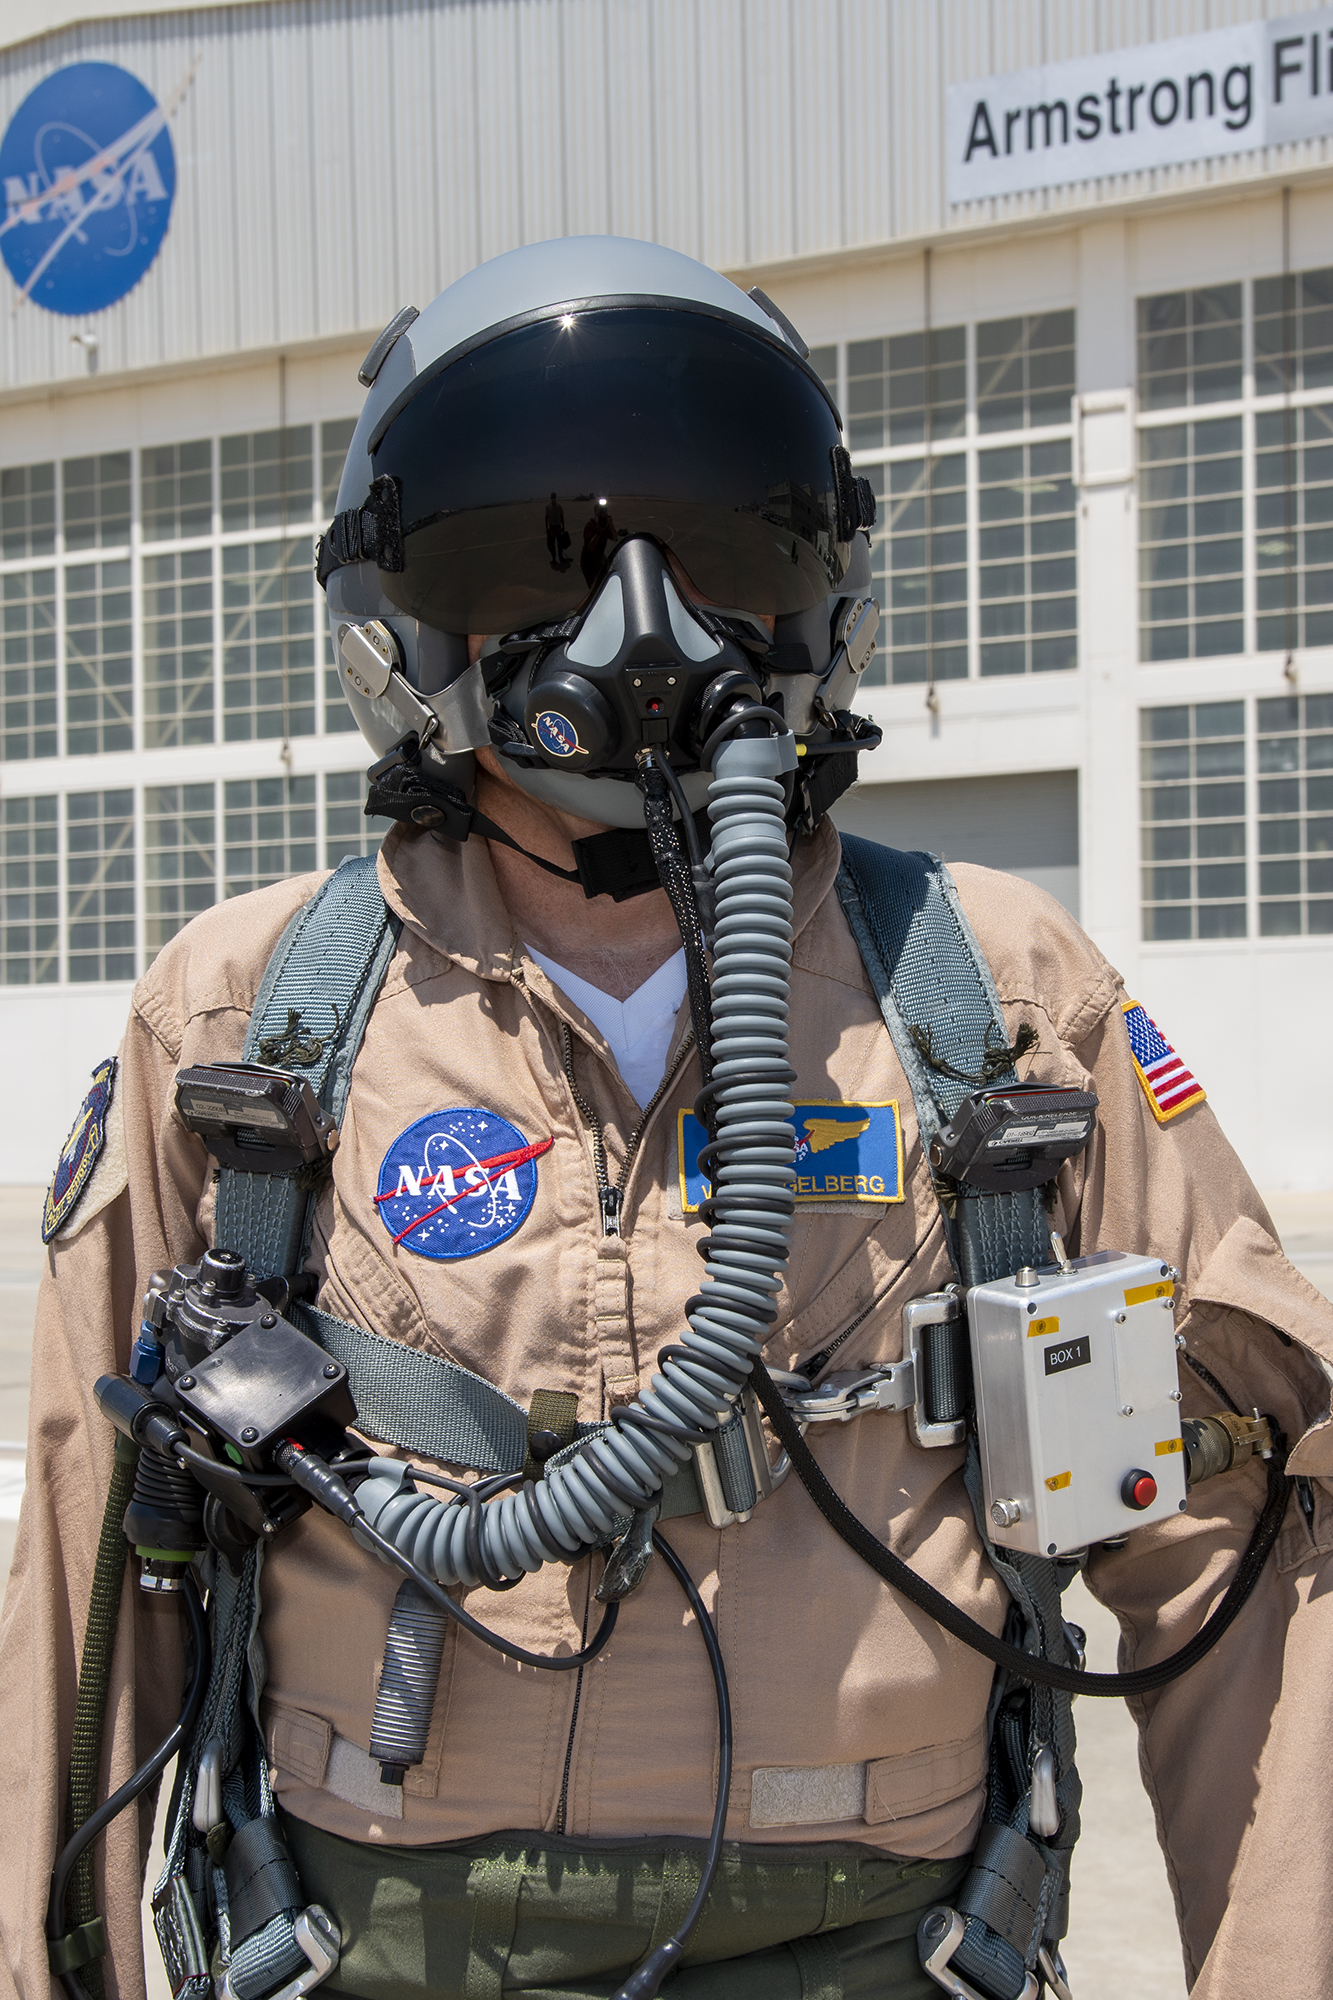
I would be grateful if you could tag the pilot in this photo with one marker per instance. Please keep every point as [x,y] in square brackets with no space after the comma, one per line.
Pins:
[516,1189]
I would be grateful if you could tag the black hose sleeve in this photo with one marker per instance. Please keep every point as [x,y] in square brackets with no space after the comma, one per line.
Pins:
[138,1783]
[1023,1666]
[99,1640]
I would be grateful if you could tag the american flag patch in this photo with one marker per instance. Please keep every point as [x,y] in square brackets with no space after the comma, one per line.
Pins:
[1167,1084]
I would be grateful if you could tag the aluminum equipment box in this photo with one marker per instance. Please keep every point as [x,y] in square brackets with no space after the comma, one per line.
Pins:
[1077,1390]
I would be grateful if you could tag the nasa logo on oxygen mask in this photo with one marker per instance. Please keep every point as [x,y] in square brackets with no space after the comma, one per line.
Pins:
[88,173]
[457,1183]
[556,734]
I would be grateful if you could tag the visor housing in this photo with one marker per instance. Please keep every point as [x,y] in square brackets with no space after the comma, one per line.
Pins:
[684,426]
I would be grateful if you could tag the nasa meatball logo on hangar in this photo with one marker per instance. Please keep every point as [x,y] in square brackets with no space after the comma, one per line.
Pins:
[88,173]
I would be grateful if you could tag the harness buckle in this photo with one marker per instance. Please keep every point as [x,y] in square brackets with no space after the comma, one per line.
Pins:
[319,1937]
[890,1385]
[938,1937]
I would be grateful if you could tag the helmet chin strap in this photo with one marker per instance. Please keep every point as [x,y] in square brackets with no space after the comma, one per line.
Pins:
[618,863]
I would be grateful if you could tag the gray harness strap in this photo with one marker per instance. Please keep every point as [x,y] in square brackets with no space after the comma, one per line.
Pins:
[311,1013]
[929,976]
[421,1402]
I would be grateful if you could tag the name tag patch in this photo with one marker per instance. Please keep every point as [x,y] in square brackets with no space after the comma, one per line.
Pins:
[844,1152]
[457,1183]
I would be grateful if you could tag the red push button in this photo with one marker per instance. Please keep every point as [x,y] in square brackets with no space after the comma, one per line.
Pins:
[1138,1489]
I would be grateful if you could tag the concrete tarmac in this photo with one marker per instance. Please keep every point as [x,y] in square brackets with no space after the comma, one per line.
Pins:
[1123,1932]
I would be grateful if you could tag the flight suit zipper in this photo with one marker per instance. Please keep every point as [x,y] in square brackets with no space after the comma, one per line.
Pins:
[611,1194]
[610,1198]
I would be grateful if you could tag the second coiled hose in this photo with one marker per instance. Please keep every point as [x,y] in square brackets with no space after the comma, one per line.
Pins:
[622,1469]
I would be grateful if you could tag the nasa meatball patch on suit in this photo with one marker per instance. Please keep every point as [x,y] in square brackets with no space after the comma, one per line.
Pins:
[457,1183]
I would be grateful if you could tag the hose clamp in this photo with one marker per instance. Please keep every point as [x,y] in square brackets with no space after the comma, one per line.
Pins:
[734,1470]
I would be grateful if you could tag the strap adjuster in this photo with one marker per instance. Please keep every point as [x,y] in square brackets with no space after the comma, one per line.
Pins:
[938,1937]
[319,1937]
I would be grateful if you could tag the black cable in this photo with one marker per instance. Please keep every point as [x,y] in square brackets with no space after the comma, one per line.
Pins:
[1023,1666]
[673,872]
[643,1984]
[552,1663]
[314,1476]
[230,1474]
[138,1783]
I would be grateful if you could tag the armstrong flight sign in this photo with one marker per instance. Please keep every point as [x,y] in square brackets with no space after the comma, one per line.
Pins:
[1232,91]
[88,174]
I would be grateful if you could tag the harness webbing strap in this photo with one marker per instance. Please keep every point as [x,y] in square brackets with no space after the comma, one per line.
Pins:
[923,962]
[419,1401]
[310,1014]
[930,977]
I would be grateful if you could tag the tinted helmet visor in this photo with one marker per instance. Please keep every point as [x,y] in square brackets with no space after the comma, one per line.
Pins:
[524,464]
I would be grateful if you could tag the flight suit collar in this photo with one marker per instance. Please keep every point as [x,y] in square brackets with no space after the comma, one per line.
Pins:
[447,893]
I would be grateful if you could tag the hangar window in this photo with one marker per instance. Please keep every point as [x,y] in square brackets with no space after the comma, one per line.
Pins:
[908,389]
[1192,767]
[176,490]
[178,648]
[1293,332]
[99,659]
[265,478]
[30,892]
[1029,611]
[268,651]
[27,511]
[95,500]
[269,831]
[1191,552]
[334,439]
[346,829]
[28,702]
[1295,741]
[180,859]
[973,554]
[99,885]
[919,563]
[1294,527]
[1025,371]
[1191,347]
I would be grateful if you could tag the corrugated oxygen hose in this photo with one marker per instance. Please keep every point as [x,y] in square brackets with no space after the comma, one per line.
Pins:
[751,1162]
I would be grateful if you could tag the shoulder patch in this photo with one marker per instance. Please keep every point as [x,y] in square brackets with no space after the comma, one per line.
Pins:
[844,1152]
[81,1152]
[1167,1084]
[457,1183]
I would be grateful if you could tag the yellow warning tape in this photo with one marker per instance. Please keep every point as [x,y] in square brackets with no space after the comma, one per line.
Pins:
[1139,1295]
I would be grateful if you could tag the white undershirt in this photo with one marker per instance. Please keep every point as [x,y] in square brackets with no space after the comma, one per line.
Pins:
[638,1030]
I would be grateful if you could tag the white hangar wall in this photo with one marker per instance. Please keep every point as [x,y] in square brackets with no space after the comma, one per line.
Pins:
[339,159]
[336,161]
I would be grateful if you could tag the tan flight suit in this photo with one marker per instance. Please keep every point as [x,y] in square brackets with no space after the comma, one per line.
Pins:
[857,1719]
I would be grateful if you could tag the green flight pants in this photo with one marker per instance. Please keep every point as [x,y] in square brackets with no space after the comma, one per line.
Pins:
[556,1920]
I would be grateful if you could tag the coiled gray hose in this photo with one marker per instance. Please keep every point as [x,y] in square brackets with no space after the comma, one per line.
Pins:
[751,1160]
